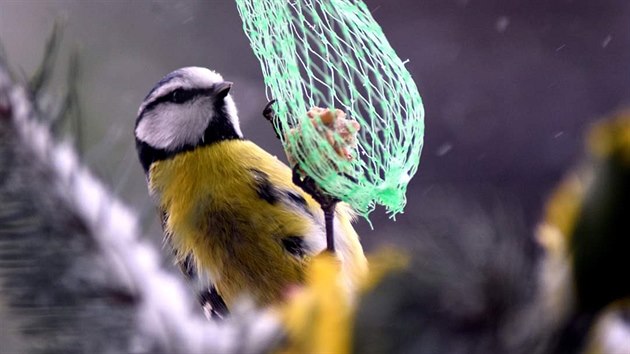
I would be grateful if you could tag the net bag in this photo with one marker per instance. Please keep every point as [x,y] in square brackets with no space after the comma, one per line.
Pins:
[333,54]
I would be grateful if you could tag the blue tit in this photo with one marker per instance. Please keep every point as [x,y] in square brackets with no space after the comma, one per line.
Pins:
[230,209]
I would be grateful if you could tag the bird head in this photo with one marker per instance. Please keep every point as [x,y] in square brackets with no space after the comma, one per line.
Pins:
[189,107]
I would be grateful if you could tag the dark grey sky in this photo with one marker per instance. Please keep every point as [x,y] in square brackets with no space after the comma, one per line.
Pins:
[509,85]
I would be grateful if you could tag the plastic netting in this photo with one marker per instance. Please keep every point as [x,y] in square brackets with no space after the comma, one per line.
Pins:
[333,54]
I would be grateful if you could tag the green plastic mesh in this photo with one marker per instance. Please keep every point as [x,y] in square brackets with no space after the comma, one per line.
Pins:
[333,54]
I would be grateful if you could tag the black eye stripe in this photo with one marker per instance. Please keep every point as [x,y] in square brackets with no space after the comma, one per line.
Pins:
[184,95]
[178,96]
[168,78]
[181,96]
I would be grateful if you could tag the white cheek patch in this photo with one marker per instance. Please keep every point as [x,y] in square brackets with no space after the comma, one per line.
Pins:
[171,126]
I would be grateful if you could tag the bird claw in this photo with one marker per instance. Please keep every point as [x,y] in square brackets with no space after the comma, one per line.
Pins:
[309,185]
[326,201]
[270,114]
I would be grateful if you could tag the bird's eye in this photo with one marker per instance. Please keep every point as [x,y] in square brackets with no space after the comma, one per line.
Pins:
[179,96]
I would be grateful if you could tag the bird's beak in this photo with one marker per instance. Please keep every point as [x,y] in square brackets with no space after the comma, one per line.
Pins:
[222,89]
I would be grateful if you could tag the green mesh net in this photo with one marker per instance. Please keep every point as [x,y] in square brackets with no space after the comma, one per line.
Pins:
[333,54]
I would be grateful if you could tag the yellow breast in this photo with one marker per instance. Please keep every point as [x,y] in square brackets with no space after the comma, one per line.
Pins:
[216,211]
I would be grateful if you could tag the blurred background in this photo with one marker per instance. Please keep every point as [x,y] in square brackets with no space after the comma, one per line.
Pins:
[509,88]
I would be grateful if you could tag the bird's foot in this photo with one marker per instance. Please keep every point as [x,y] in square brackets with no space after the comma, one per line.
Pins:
[270,114]
[326,201]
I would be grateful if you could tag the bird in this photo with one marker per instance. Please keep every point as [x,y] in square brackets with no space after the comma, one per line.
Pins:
[230,210]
